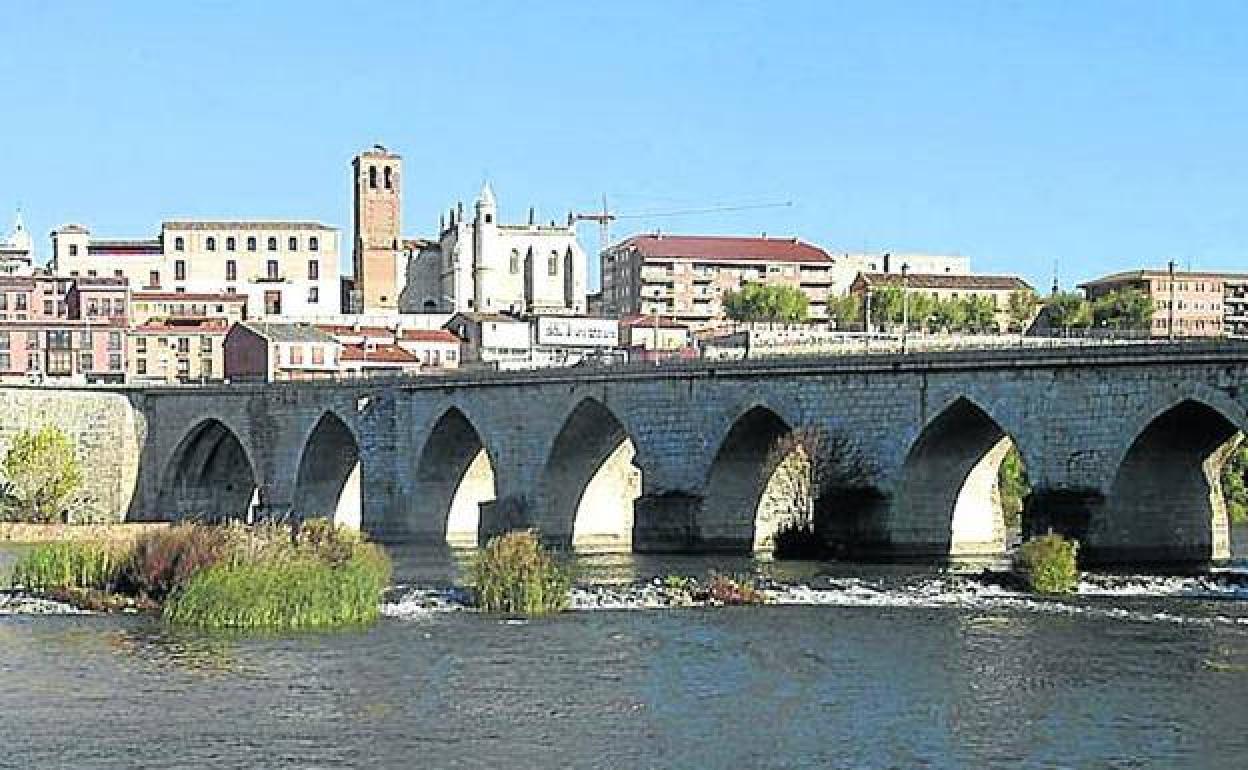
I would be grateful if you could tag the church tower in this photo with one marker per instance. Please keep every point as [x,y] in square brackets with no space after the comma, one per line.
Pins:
[377,200]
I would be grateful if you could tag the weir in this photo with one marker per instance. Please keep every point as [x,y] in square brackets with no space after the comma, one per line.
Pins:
[1123,445]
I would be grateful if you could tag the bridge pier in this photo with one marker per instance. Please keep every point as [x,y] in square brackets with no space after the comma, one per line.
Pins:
[666,523]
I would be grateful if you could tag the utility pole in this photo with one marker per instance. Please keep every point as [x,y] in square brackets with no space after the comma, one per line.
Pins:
[1170,314]
[905,307]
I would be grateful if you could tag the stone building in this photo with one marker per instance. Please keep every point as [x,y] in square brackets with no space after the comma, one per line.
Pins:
[478,264]
[377,205]
[1205,304]
[285,268]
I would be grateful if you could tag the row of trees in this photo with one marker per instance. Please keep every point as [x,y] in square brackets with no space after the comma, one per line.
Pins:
[761,302]
[1123,309]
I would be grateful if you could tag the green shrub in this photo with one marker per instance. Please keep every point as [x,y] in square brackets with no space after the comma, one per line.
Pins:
[514,573]
[71,565]
[1048,564]
[303,593]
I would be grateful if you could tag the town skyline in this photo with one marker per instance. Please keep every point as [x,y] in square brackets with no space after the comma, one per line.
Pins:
[1099,138]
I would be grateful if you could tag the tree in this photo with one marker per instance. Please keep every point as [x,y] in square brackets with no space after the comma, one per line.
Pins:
[1068,310]
[1235,484]
[761,302]
[1013,486]
[42,477]
[1022,308]
[886,307]
[949,315]
[980,313]
[846,310]
[1123,309]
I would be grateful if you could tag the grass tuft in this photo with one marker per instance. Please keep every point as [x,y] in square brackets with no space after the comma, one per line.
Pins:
[1048,564]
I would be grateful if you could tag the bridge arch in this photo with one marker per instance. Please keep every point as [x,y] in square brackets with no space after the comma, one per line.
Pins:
[328,480]
[1165,501]
[737,481]
[590,481]
[454,480]
[947,502]
[210,476]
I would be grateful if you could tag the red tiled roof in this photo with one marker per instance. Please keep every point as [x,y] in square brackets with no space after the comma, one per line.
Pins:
[726,248]
[388,354]
[429,335]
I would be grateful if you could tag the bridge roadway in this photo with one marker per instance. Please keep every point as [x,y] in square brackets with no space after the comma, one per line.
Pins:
[1122,444]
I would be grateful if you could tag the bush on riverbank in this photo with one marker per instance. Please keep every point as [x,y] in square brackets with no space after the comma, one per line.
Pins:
[235,576]
[514,573]
[733,591]
[1048,564]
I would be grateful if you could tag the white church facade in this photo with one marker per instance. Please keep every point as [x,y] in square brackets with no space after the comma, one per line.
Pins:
[480,265]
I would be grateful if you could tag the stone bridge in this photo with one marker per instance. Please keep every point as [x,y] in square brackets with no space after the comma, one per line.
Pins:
[1122,446]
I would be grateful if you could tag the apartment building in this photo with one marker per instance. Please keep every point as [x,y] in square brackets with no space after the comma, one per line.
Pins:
[685,277]
[54,328]
[169,350]
[1187,304]
[258,351]
[281,268]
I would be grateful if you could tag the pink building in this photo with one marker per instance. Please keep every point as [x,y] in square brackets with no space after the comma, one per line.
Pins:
[62,328]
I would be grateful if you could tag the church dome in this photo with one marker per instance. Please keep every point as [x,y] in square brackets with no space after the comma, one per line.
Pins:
[20,238]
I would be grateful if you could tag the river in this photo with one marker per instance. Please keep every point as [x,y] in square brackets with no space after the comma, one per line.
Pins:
[893,667]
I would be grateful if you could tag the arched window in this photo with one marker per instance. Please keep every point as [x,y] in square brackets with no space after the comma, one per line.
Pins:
[292,243]
[372,177]
[388,181]
[272,244]
[314,244]
[515,261]
[552,264]
[210,243]
[251,243]
[231,243]
[179,244]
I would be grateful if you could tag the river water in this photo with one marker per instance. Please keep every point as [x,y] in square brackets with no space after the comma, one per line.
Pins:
[878,667]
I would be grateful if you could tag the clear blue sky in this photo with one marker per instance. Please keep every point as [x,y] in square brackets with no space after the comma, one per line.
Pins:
[1104,135]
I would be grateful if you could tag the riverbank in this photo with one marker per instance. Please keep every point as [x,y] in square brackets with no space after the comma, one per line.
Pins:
[22,533]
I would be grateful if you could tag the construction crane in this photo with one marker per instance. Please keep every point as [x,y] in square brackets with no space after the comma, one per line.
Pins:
[605,217]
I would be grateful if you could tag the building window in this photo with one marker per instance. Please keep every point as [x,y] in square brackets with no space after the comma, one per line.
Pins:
[32,340]
[318,354]
[273,303]
[179,270]
[85,362]
[91,273]
[314,244]
[47,307]
[251,243]
[314,270]
[84,339]
[389,183]
[230,243]
[296,354]
[231,270]
[6,363]
[179,244]
[118,273]
[292,244]
[272,244]
[73,249]
[140,366]
[4,340]
[210,243]
[19,301]
[271,269]
[515,261]
[153,279]
[4,301]
[372,177]
[114,340]
[552,264]
[205,344]
[184,344]
[140,344]
[114,362]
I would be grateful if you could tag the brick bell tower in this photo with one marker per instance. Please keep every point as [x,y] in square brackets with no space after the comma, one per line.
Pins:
[377,200]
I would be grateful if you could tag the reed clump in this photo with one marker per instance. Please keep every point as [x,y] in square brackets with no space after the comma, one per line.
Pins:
[514,573]
[84,566]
